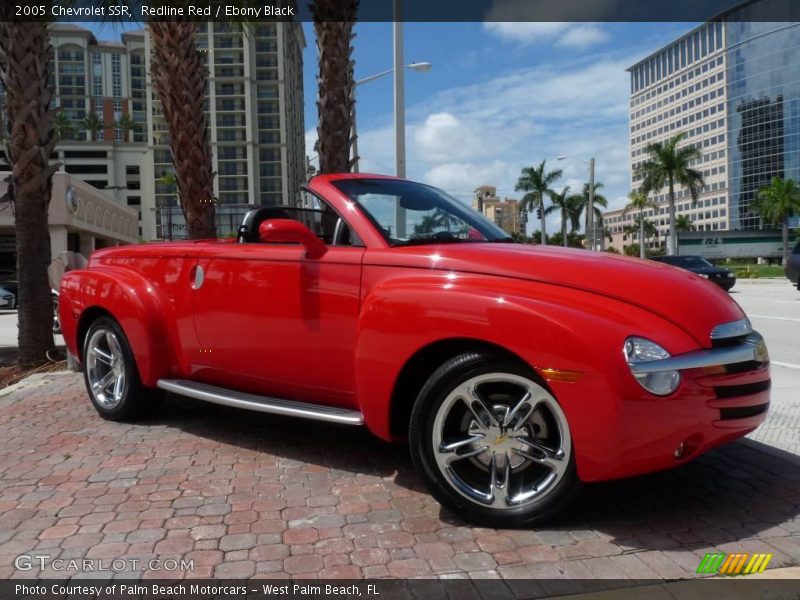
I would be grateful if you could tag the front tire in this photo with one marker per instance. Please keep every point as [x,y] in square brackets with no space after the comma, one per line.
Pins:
[111,376]
[492,443]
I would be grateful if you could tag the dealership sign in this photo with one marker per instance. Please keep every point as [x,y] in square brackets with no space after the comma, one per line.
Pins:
[732,244]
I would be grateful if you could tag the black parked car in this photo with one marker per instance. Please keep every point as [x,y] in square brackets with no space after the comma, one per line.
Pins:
[724,278]
[792,269]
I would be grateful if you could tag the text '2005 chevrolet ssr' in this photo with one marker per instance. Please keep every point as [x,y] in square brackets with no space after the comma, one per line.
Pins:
[514,371]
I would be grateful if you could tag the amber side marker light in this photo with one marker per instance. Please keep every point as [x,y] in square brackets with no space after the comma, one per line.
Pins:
[561,375]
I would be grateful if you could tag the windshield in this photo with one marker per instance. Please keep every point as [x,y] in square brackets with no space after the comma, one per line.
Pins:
[687,262]
[409,213]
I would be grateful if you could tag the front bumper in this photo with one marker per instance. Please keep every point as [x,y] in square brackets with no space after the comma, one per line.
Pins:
[726,283]
[723,395]
[748,348]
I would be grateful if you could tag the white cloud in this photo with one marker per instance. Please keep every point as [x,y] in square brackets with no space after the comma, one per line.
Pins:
[484,133]
[461,178]
[444,137]
[583,36]
[571,35]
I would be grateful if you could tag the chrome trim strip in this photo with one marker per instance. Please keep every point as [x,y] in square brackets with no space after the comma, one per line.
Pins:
[753,348]
[278,406]
[732,329]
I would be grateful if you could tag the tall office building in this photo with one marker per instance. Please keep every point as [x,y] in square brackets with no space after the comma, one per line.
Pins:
[255,110]
[732,85]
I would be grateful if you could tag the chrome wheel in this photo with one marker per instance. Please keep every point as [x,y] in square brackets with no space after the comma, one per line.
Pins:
[105,367]
[501,441]
[56,321]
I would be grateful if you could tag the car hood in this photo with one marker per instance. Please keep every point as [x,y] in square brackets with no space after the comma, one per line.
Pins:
[677,295]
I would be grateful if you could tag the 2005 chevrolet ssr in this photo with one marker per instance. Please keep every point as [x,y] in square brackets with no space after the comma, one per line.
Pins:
[514,371]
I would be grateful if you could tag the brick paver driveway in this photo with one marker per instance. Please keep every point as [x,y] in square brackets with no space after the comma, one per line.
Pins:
[244,494]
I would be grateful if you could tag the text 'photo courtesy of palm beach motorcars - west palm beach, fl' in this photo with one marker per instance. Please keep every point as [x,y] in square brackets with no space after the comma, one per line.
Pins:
[367,291]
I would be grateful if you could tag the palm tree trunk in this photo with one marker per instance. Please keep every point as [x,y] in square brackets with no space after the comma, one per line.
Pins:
[180,79]
[333,24]
[673,233]
[564,228]
[544,231]
[25,63]
[785,239]
[642,251]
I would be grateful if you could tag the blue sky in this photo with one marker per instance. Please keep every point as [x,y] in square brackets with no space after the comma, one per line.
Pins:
[500,96]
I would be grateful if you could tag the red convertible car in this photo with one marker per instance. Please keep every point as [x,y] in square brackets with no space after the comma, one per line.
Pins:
[513,371]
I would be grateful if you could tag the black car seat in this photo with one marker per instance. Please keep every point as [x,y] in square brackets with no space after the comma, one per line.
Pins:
[248,230]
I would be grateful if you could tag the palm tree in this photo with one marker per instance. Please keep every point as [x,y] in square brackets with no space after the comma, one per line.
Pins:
[536,181]
[126,124]
[180,79]
[26,62]
[598,200]
[62,125]
[668,165]
[642,229]
[639,202]
[606,236]
[684,223]
[776,204]
[568,205]
[333,24]
[93,124]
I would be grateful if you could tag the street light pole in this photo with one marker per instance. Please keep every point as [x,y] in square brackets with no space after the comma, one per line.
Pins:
[355,133]
[414,66]
[399,93]
[590,221]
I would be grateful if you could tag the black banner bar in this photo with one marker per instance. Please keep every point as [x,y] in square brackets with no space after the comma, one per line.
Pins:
[388,589]
[413,10]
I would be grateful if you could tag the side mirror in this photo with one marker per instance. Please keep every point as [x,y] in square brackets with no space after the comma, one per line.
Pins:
[287,231]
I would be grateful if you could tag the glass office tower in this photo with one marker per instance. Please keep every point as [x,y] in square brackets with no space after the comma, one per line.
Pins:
[763,81]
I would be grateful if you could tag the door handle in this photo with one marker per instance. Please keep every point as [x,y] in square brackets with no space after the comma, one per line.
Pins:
[199,277]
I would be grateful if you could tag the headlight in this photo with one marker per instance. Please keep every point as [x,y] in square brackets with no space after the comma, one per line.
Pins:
[730,274]
[703,275]
[639,350]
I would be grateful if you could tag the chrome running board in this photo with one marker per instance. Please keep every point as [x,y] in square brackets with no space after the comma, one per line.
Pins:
[278,406]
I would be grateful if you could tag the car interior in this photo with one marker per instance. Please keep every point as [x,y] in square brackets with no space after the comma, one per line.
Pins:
[324,222]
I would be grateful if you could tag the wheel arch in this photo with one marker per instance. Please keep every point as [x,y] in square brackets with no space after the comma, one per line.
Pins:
[128,299]
[421,365]
[88,316]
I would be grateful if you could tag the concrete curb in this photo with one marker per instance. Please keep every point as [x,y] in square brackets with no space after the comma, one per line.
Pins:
[31,382]
[746,280]
[687,588]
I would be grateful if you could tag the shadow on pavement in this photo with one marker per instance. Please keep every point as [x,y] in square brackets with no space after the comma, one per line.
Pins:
[737,492]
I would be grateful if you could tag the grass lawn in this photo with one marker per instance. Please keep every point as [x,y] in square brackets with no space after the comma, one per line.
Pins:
[754,271]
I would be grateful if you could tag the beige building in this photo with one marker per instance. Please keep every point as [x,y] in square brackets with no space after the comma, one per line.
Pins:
[81,219]
[255,109]
[616,223]
[682,88]
[507,213]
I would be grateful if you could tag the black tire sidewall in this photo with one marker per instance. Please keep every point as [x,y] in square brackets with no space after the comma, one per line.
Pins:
[434,392]
[130,405]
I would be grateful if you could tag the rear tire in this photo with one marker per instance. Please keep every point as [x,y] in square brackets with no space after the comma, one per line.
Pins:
[111,376]
[492,443]
[56,318]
